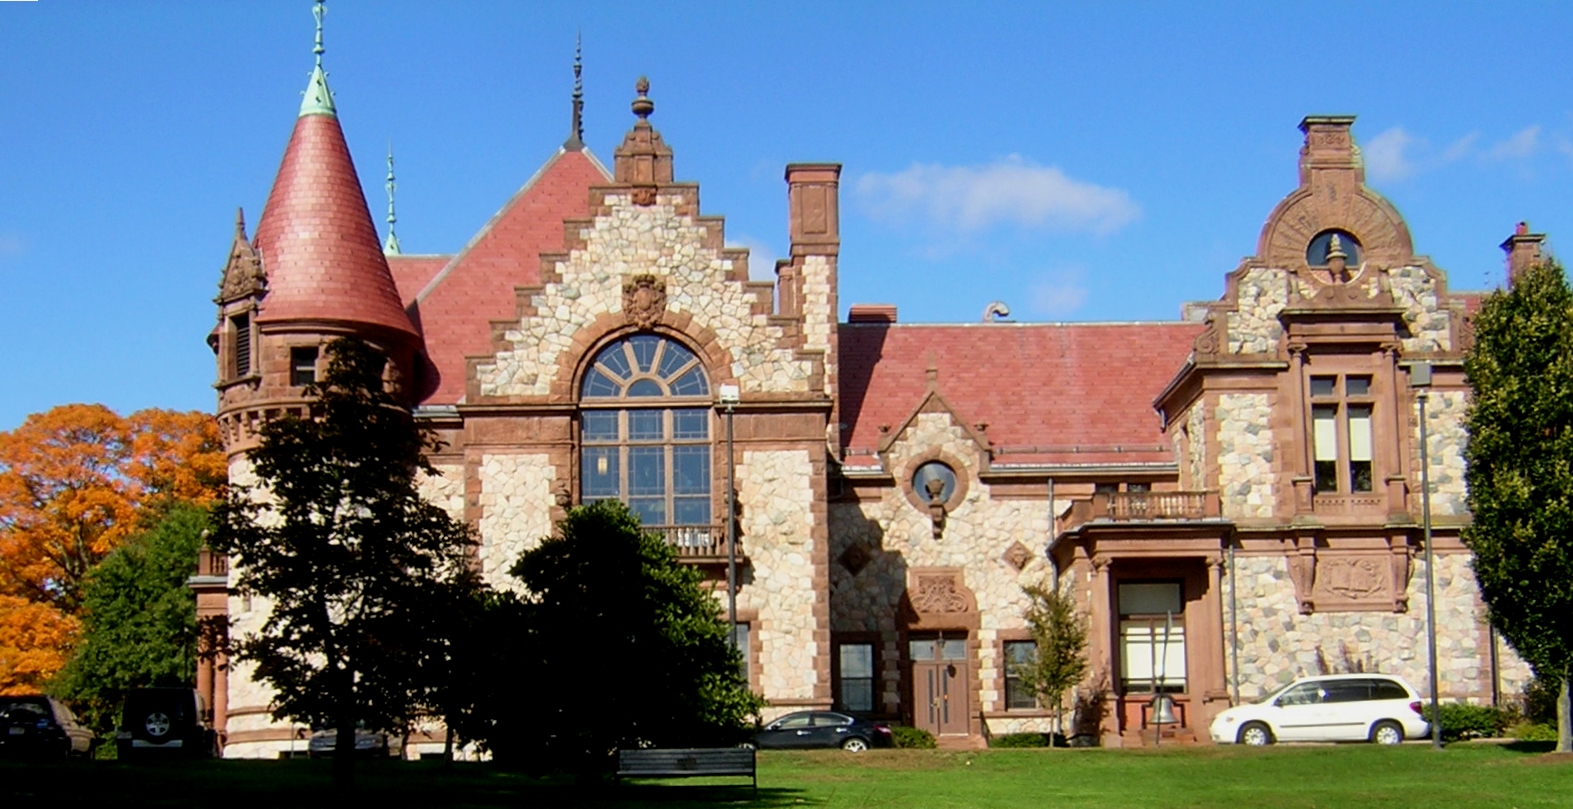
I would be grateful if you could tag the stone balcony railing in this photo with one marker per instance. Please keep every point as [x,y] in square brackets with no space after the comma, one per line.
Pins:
[697,544]
[1142,507]
[210,563]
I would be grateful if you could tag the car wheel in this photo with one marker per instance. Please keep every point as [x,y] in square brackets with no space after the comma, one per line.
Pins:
[748,746]
[1387,732]
[854,745]
[1255,734]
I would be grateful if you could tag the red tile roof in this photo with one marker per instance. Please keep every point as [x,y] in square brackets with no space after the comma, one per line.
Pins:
[319,248]
[456,307]
[411,274]
[1072,393]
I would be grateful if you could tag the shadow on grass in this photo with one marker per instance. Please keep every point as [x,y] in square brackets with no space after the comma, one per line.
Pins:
[1530,747]
[244,784]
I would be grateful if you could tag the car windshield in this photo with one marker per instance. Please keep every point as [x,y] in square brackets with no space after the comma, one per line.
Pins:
[24,710]
[1274,695]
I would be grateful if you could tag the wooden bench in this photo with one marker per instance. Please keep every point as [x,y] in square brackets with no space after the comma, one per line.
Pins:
[687,763]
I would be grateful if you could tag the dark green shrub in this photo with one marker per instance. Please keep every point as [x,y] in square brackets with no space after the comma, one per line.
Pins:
[1464,721]
[915,738]
[1020,740]
[1540,701]
[1534,732]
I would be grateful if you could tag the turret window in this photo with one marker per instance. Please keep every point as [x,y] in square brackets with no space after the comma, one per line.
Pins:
[302,365]
[240,326]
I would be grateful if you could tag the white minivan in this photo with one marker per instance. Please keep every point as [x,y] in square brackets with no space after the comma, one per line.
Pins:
[1378,708]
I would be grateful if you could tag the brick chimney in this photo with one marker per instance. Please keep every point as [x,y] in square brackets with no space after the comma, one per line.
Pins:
[1522,249]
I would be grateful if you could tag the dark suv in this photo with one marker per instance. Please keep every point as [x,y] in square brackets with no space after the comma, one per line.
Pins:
[164,721]
[40,725]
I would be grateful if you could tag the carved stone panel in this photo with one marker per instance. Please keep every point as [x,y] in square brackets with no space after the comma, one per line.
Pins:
[644,300]
[1349,582]
[938,598]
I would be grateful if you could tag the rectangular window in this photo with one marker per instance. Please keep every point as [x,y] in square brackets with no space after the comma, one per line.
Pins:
[1018,654]
[1342,435]
[302,365]
[1152,637]
[857,676]
[242,329]
[657,460]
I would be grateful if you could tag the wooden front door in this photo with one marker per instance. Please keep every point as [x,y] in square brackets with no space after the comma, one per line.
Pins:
[940,687]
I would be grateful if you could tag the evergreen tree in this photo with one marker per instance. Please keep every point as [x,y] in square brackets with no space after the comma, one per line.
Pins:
[1520,471]
[617,645]
[358,572]
[139,621]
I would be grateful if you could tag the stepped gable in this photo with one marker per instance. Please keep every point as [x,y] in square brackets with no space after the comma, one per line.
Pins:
[456,307]
[320,250]
[1071,393]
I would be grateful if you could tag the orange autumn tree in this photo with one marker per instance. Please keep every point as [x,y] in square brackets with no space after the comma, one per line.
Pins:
[74,483]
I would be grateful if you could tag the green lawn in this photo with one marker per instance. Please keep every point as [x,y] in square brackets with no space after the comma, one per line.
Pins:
[1465,775]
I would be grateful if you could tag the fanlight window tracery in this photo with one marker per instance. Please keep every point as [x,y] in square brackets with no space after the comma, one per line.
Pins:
[639,443]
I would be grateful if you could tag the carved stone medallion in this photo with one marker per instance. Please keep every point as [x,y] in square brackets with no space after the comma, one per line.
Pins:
[1017,556]
[644,300]
[855,558]
[938,593]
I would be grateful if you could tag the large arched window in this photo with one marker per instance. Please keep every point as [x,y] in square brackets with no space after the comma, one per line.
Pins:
[645,431]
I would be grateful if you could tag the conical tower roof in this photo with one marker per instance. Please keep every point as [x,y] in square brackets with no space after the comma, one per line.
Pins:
[320,250]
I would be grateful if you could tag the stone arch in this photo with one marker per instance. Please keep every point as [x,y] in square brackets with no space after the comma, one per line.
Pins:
[611,326]
[1334,204]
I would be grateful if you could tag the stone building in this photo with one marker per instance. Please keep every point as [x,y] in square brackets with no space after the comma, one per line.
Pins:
[1235,497]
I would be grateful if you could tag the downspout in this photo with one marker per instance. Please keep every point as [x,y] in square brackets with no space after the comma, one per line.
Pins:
[1234,629]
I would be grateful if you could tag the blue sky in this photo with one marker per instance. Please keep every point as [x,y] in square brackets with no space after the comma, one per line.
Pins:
[1078,161]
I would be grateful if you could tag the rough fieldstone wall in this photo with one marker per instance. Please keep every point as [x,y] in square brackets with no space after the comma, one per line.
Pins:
[1430,325]
[775,492]
[977,535]
[247,615]
[1254,327]
[444,489]
[516,497]
[1446,438]
[1278,644]
[1196,425]
[1247,479]
[817,315]
[631,240]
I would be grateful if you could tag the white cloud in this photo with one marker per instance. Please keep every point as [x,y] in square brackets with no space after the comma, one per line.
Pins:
[1520,144]
[1386,155]
[1059,294]
[761,257]
[1012,190]
[1460,147]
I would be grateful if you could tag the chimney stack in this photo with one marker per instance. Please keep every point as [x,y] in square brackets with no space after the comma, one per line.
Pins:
[1522,249]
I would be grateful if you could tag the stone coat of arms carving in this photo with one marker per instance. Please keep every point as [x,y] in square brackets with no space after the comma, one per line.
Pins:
[644,300]
[938,593]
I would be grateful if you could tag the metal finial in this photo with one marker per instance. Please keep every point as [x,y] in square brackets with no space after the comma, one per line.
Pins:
[391,246]
[642,105]
[576,130]
[318,98]
[318,11]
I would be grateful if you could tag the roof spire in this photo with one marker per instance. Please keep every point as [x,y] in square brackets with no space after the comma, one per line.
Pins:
[391,245]
[319,99]
[642,105]
[575,140]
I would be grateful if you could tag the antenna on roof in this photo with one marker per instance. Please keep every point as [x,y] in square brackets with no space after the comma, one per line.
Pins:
[575,140]
[391,246]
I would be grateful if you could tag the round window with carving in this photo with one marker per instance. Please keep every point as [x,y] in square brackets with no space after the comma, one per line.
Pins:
[934,482]
[1331,246]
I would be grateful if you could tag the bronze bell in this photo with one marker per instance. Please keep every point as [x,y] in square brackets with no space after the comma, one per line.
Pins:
[1163,710]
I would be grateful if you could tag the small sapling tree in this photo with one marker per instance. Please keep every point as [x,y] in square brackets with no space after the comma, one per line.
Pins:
[1059,657]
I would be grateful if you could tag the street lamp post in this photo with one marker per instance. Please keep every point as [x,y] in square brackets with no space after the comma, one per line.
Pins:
[730,396]
[1420,380]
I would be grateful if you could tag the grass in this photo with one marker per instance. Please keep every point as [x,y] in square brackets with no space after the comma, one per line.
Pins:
[1465,775]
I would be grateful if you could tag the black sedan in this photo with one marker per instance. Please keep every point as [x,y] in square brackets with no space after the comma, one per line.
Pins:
[806,729]
[40,725]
